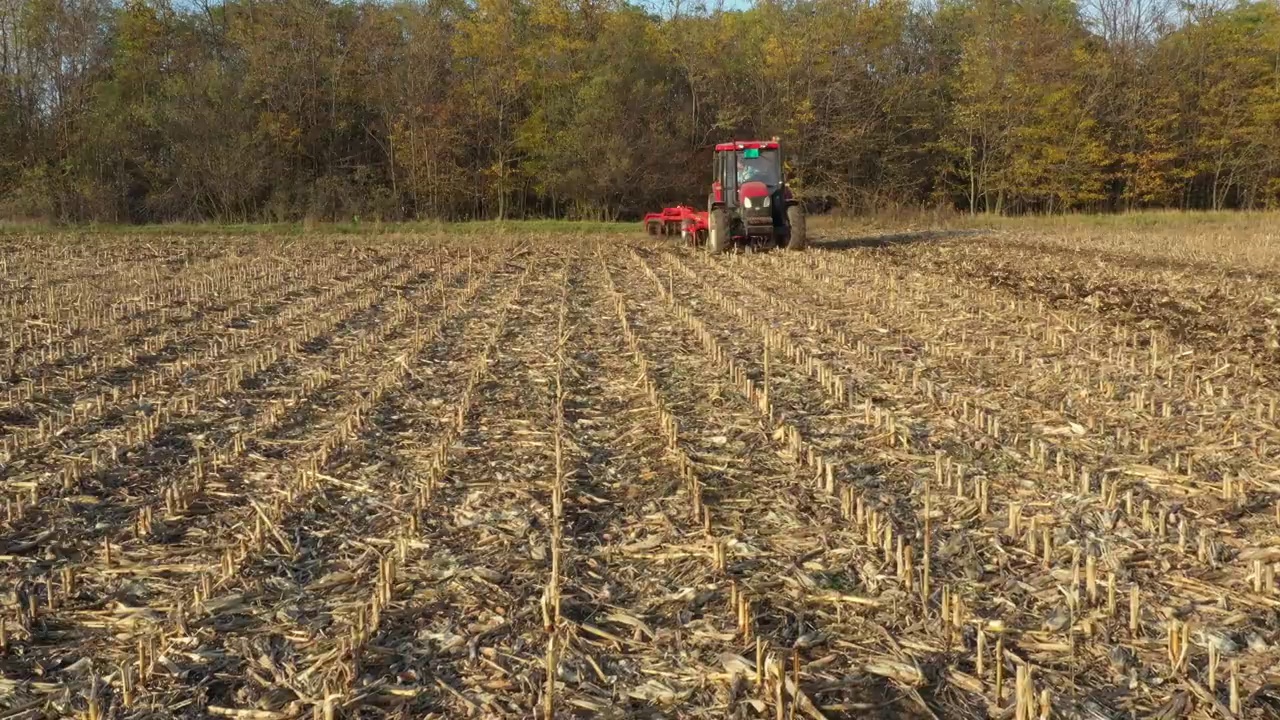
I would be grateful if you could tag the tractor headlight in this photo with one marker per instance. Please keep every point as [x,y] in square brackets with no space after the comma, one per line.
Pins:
[759,203]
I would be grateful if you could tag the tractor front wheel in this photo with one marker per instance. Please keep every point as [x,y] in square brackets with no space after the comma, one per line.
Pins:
[718,237]
[795,218]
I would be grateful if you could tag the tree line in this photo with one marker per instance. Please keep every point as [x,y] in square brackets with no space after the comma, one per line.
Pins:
[272,110]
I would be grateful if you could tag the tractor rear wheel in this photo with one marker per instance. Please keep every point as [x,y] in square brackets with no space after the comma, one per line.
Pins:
[795,218]
[718,237]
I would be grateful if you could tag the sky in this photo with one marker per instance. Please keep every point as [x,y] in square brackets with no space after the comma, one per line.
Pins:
[661,7]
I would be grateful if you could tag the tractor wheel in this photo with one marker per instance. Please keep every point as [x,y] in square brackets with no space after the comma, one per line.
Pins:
[718,237]
[652,228]
[795,218]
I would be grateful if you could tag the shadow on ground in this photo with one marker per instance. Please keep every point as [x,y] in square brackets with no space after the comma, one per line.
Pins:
[838,241]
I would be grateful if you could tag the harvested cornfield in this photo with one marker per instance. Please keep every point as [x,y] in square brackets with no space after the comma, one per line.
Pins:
[920,476]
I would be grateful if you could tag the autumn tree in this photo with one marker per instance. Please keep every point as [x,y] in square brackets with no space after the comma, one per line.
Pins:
[148,110]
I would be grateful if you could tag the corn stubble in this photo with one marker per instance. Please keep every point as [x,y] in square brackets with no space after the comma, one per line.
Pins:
[552,477]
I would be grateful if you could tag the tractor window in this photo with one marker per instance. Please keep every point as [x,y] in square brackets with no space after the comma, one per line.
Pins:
[763,167]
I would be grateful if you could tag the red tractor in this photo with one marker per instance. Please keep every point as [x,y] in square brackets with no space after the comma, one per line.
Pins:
[750,200]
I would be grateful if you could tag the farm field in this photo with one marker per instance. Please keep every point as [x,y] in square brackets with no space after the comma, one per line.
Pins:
[949,474]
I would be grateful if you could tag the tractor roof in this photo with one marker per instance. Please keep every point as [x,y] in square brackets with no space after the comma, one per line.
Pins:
[747,145]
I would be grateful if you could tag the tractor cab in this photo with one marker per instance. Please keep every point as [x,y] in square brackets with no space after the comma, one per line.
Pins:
[750,201]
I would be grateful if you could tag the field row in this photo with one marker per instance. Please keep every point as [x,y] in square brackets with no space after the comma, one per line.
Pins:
[622,478]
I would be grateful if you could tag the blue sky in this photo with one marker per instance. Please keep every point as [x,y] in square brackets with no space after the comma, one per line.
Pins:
[659,6]
[663,7]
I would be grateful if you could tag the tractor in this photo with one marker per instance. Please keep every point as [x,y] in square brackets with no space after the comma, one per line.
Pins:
[750,201]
